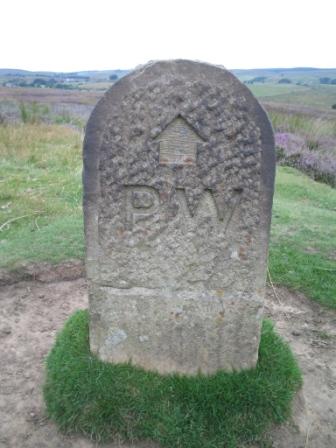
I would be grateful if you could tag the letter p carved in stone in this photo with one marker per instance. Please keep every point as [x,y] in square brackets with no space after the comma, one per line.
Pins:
[142,204]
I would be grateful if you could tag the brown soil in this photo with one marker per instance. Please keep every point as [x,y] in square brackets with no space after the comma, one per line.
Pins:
[310,331]
[43,272]
[33,311]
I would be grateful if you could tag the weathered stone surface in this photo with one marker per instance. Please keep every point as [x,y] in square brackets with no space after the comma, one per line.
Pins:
[178,185]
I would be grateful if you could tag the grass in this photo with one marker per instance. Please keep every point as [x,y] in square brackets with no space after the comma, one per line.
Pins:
[315,127]
[105,401]
[41,194]
[317,96]
[266,90]
[303,237]
[41,200]
[321,97]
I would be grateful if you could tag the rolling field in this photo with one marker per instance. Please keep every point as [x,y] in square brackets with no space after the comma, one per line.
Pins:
[267,90]
[317,97]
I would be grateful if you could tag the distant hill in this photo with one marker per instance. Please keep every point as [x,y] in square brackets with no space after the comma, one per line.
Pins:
[88,80]
[275,71]
[105,74]
[94,74]
[300,75]
[93,79]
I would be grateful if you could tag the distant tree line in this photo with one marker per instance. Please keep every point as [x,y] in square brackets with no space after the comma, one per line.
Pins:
[284,81]
[54,82]
[51,83]
[326,80]
[40,82]
[66,81]
[262,79]
[257,79]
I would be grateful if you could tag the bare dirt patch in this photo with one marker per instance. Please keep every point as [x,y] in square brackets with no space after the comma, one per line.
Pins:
[32,312]
[310,330]
[43,272]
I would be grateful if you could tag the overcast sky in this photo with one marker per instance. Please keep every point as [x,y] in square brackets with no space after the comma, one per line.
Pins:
[73,35]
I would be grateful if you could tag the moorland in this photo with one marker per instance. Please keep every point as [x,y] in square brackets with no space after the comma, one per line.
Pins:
[42,122]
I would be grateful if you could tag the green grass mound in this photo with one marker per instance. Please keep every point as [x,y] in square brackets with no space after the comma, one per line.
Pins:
[106,401]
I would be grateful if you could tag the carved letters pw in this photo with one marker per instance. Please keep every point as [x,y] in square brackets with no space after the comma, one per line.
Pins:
[144,201]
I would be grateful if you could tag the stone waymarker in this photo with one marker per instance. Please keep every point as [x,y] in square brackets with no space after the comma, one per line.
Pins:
[178,185]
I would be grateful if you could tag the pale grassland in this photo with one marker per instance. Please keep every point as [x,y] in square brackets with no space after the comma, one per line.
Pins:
[315,126]
[41,194]
[321,97]
[265,90]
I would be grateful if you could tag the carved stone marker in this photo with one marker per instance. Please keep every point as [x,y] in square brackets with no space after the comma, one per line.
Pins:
[178,185]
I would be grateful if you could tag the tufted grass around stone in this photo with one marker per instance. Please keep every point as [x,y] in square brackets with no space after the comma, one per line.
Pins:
[119,401]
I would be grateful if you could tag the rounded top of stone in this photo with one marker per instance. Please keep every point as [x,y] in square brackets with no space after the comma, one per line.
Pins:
[165,62]
[189,72]
[183,67]
[185,81]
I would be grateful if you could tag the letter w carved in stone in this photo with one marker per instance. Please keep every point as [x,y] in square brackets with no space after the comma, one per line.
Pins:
[143,205]
[210,205]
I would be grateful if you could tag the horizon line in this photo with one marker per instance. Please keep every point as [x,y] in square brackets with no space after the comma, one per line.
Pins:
[133,68]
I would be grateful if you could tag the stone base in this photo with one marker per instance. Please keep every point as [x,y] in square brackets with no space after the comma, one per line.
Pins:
[187,332]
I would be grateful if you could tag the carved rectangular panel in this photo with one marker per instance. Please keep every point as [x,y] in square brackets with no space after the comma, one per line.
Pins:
[178,143]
